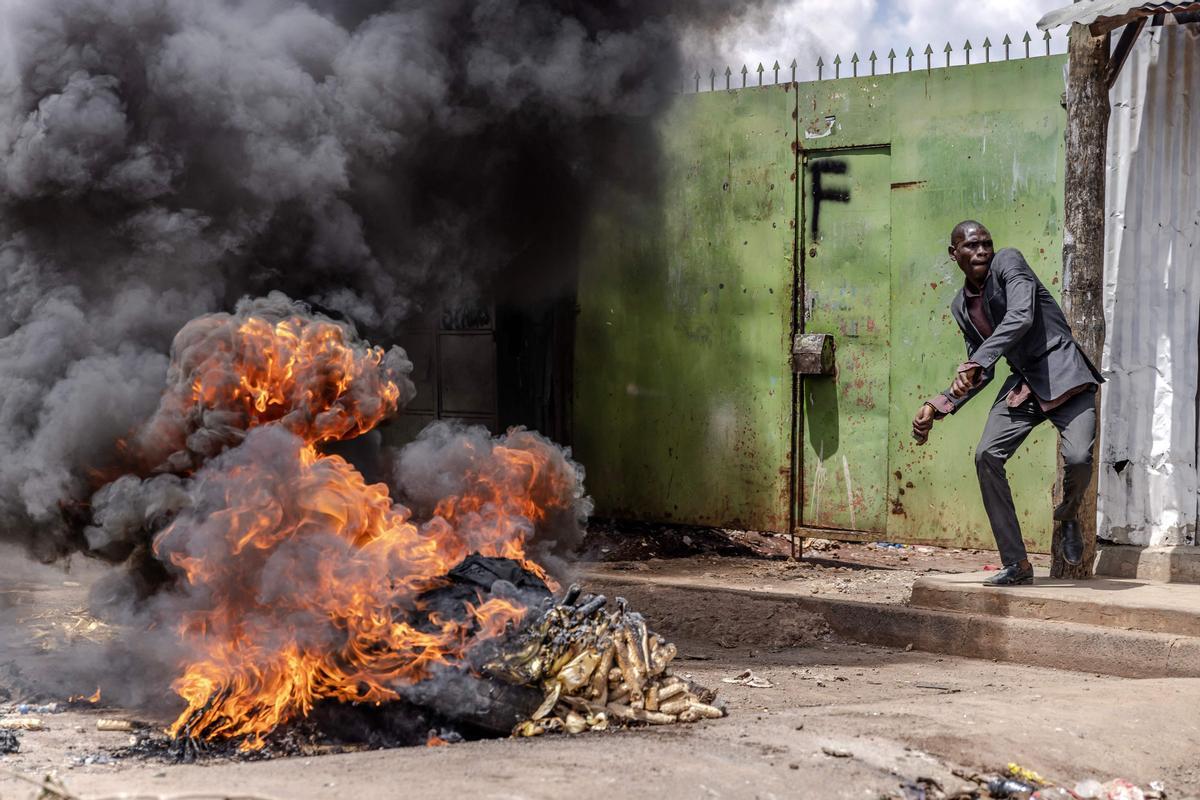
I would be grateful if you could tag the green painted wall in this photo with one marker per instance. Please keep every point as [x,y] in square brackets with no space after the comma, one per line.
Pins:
[683,390]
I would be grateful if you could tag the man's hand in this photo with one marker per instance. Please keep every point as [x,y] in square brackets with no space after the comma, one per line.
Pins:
[923,423]
[964,381]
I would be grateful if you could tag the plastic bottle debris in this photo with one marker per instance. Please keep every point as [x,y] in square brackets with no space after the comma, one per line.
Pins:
[1010,788]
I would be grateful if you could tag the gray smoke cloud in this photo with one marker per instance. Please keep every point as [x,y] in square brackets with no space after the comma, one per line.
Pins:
[160,159]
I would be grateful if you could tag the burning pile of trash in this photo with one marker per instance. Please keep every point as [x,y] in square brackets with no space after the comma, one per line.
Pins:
[294,590]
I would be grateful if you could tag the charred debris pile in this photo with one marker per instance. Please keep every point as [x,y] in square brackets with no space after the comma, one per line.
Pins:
[572,664]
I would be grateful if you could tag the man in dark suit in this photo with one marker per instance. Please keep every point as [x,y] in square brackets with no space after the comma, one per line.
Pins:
[1004,310]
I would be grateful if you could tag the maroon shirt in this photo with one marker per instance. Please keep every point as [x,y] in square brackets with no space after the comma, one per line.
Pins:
[1021,392]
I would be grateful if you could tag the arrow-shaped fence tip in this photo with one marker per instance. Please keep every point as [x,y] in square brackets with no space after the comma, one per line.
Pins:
[987,42]
[892,53]
[837,59]
[1047,36]
[948,48]
[820,61]
[728,72]
[793,65]
[967,45]
[910,53]
[854,58]
[1007,39]
[1027,38]
[776,66]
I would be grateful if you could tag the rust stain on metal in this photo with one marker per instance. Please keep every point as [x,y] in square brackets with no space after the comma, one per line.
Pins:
[909,184]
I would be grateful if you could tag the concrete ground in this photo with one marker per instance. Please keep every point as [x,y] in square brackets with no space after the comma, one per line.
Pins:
[841,720]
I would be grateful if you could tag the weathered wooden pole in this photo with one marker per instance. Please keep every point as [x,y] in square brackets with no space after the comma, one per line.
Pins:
[1083,241]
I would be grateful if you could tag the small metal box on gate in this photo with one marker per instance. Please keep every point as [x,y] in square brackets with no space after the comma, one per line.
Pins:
[813,354]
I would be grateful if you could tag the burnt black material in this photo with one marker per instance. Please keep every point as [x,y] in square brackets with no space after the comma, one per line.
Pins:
[478,578]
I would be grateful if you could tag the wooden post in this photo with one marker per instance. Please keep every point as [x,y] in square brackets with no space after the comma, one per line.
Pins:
[1083,242]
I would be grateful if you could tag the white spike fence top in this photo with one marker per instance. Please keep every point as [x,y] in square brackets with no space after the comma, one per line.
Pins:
[1008,50]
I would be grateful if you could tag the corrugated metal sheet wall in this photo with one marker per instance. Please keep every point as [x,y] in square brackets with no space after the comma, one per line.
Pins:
[1149,490]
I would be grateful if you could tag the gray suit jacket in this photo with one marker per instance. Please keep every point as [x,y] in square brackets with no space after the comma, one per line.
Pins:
[1029,329]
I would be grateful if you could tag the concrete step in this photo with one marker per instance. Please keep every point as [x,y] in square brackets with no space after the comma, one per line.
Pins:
[1178,564]
[1106,602]
[1098,649]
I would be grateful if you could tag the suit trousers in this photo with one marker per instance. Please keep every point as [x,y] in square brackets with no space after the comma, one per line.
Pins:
[1006,429]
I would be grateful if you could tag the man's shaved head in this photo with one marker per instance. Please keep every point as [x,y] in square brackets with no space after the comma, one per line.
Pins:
[971,247]
[961,229]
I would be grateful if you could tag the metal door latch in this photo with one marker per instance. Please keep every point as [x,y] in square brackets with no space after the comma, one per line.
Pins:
[813,354]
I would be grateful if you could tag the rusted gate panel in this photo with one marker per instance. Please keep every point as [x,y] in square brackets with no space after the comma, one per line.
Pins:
[846,254]
[982,141]
[683,386]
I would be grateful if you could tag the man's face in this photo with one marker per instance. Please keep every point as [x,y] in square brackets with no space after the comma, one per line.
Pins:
[974,252]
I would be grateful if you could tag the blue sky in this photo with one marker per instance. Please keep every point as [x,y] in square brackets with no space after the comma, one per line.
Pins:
[806,29]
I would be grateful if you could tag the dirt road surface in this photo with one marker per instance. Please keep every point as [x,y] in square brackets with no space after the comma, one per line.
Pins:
[841,720]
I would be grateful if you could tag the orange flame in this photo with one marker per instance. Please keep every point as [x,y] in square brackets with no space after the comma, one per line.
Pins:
[308,573]
[79,698]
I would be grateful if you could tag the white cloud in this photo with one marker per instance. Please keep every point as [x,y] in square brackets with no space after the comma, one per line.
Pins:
[806,29]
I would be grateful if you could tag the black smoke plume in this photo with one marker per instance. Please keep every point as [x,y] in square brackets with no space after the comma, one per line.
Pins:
[161,159]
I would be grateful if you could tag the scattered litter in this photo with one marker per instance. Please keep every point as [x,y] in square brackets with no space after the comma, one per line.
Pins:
[1014,770]
[10,742]
[819,545]
[922,789]
[990,568]
[748,678]
[21,724]
[1052,793]
[1118,789]
[30,708]
[836,752]
[1003,787]
[1018,783]
[119,725]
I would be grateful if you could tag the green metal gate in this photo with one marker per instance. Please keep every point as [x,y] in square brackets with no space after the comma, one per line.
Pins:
[685,406]
[845,267]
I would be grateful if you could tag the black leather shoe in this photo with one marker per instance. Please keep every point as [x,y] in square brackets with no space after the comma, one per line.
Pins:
[1072,543]
[1011,575]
